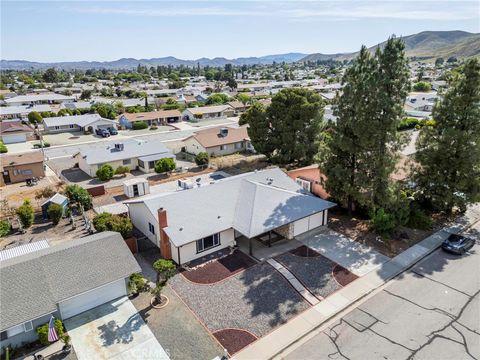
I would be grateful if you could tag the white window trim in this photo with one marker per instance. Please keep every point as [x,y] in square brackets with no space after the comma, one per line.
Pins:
[305,184]
[216,242]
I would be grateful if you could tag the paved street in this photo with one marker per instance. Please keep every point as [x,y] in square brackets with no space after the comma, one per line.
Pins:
[430,312]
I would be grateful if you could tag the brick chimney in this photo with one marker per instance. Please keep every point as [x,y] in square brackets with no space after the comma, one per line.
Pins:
[165,248]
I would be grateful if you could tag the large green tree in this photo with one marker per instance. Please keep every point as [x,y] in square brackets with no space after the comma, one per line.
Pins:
[287,131]
[345,151]
[449,151]
[391,90]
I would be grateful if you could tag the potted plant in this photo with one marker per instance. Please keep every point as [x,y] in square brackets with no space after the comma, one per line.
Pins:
[67,347]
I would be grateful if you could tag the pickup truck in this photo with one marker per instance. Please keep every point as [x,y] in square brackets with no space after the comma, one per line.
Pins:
[102,132]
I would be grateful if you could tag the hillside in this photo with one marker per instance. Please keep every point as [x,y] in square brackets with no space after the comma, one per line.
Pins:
[130,63]
[427,44]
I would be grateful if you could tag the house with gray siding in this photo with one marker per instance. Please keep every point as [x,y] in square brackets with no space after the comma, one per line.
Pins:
[63,281]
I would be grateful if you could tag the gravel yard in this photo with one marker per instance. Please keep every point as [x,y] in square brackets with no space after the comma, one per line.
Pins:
[220,269]
[255,300]
[317,273]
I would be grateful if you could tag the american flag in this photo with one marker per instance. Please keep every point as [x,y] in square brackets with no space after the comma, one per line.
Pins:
[52,333]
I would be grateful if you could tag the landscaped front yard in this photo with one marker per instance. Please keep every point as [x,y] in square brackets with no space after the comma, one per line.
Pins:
[318,274]
[237,309]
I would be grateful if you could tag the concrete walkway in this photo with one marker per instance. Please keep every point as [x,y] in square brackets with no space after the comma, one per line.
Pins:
[307,295]
[284,336]
[353,256]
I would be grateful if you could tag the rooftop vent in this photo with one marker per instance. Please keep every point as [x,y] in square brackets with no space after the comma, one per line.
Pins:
[119,147]
[269,181]
[223,132]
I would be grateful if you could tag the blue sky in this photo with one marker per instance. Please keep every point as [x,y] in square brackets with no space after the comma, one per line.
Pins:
[108,30]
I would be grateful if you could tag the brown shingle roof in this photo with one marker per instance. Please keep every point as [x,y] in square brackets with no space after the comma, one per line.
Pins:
[14,127]
[211,137]
[19,159]
[152,115]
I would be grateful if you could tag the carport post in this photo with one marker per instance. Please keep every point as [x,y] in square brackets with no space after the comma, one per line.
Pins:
[270,238]
[250,252]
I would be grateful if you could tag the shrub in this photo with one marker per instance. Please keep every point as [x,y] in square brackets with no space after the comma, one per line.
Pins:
[108,222]
[137,283]
[105,172]
[4,228]
[153,127]
[202,158]
[139,125]
[422,86]
[199,116]
[165,165]
[55,213]
[382,222]
[42,331]
[419,219]
[34,117]
[78,195]
[25,214]
[122,170]
[3,148]
[38,146]
[44,193]
[409,123]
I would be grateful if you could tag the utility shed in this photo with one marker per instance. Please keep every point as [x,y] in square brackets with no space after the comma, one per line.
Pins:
[136,187]
[55,199]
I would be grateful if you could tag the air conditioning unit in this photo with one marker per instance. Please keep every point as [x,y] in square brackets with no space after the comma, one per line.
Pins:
[223,132]
[119,147]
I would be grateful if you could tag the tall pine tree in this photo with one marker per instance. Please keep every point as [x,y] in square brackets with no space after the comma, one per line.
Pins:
[449,151]
[345,153]
[392,89]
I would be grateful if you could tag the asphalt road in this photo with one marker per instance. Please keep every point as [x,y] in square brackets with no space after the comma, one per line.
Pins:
[431,312]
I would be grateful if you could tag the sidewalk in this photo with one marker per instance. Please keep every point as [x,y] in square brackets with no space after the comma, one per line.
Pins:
[284,336]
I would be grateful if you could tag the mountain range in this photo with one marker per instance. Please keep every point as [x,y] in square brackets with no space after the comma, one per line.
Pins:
[425,45]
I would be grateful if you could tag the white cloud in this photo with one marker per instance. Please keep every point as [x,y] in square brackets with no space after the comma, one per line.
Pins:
[296,10]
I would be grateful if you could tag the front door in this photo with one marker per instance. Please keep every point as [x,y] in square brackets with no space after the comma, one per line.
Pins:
[6,177]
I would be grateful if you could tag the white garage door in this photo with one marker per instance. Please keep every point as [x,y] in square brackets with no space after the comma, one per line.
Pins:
[14,138]
[91,299]
[311,222]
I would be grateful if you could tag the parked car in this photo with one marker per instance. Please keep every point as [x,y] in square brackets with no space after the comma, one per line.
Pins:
[112,131]
[102,132]
[458,244]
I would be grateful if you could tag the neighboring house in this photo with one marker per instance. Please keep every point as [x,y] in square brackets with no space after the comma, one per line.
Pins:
[190,224]
[208,112]
[63,281]
[44,98]
[420,102]
[58,199]
[162,117]
[310,179]
[21,112]
[87,122]
[219,141]
[133,153]
[20,167]
[14,131]
[238,106]
[77,105]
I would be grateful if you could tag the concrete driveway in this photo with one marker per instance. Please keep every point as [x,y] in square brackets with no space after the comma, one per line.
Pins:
[355,257]
[113,331]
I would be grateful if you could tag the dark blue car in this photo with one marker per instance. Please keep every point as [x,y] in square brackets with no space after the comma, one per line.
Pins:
[458,244]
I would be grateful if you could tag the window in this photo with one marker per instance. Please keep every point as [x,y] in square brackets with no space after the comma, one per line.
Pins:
[28,326]
[151,228]
[3,336]
[208,242]
[222,147]
[15,330]
[127,161]
[57,127]
[305,184]
[151,164]
[72,126]
[238,145]
[141,164]
[27,172]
